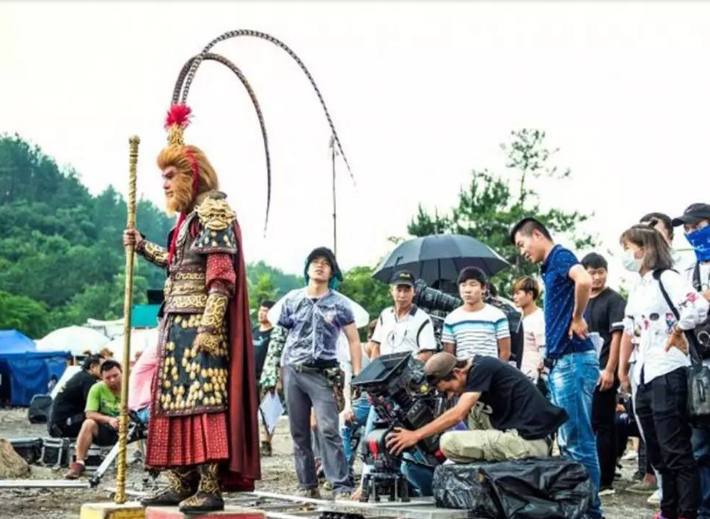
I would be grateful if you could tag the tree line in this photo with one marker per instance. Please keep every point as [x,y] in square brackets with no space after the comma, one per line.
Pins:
[61,258]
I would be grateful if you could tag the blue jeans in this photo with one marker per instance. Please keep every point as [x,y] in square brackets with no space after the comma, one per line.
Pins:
[571,383]
[143,415]
[361,410]
[701,453]
[419,477]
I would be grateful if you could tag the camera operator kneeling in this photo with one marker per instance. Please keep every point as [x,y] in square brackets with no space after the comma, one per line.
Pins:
[514,421]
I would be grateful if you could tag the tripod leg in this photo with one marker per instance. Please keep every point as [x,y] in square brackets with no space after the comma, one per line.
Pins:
[373,490]
[365,495]
[105,464]
[403,489]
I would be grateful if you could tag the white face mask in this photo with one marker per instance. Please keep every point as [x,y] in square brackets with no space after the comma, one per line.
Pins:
[630,262]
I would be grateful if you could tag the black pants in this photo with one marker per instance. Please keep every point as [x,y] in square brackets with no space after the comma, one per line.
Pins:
[661,408]
[603,423]
[67,428]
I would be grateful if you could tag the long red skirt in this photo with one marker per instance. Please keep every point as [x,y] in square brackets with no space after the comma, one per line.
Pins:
[187,440]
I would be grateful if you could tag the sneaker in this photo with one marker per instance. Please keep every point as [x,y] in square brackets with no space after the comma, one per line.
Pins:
[75,471]
[642,487]
[655,499]
[310,493]
[266,449]
[607,490]
[327,485]
[631,455]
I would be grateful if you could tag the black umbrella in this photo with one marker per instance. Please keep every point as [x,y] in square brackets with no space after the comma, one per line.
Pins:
[440,256]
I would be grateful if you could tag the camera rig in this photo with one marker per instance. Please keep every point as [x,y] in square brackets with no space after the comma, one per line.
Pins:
[402,397]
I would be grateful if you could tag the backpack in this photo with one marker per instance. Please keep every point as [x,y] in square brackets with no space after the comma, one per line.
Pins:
[698,374]
[702,331]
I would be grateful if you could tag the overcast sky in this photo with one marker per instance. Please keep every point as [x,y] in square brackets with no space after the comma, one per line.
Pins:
[421,93]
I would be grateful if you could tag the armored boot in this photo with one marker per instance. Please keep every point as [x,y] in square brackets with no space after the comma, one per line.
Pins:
[208,497]
[182,483]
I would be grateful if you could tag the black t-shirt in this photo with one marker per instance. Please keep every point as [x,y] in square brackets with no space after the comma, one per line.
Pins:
[514,401]
[71,400]
[605,314]
[261,348]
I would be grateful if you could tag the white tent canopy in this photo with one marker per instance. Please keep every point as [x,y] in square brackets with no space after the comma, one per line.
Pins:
[141,339]
[110,329]
[76,339]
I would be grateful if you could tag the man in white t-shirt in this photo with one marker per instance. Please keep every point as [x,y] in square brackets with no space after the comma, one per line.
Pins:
[476,328]
[525,293]
[403,327]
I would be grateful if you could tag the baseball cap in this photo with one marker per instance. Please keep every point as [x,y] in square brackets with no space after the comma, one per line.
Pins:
[439,366]
[693,214]
[403,277]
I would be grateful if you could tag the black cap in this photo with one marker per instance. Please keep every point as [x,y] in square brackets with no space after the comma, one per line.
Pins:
[324,252]
[693,214]
[403,277]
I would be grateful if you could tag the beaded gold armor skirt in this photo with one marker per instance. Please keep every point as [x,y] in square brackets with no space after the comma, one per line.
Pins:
[188,381]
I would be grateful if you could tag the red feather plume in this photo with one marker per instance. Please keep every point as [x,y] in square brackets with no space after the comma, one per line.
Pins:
[178,114]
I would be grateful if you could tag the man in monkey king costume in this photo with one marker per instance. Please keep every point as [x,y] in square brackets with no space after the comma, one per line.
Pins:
[203,422]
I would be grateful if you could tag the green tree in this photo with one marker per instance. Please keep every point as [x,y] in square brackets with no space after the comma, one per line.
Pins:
[282,282]
[23,314]
[262,289]
[359,285]
[60,247]
[491,204]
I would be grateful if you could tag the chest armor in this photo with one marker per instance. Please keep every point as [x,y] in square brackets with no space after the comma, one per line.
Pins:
[185,289]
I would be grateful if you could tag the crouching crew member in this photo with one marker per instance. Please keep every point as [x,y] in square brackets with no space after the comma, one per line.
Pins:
[508,417]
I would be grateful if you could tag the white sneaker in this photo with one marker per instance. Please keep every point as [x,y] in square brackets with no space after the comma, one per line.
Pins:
[655,498]
[607,491]
[631,455]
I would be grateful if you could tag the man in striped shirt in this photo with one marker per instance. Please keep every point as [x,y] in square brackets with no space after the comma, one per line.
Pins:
[476,328]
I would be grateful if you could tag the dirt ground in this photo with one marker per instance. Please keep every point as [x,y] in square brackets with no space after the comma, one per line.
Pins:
[277,473]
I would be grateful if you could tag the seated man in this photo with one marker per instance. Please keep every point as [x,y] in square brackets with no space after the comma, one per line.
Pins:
[520,419]
[68,407]
[101,423]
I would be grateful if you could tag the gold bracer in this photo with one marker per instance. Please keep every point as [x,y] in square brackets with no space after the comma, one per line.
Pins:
[210,331]
[153,253]
[215,310]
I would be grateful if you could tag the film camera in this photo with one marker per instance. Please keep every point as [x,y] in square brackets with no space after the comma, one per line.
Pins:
[402,397]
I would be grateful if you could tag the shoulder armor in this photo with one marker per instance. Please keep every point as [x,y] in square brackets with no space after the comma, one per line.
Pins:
[215,214]
[217,229]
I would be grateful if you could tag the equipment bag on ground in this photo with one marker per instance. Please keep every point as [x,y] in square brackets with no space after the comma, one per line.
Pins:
[544,488]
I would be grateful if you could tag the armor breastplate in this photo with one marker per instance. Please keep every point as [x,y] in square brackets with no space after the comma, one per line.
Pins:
[185,289]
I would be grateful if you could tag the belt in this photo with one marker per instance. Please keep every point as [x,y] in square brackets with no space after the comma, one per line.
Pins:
[573,348]
[305,368]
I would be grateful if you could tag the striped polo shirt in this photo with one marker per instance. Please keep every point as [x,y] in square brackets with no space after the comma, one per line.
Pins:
[475,333]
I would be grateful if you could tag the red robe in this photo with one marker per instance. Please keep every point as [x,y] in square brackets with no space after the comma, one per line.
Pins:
[244,463]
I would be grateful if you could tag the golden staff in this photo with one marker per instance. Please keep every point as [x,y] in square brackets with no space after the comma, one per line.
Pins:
[120,496]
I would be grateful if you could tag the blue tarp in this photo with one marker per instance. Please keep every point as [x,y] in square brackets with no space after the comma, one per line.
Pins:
[12,341]
[28,371]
